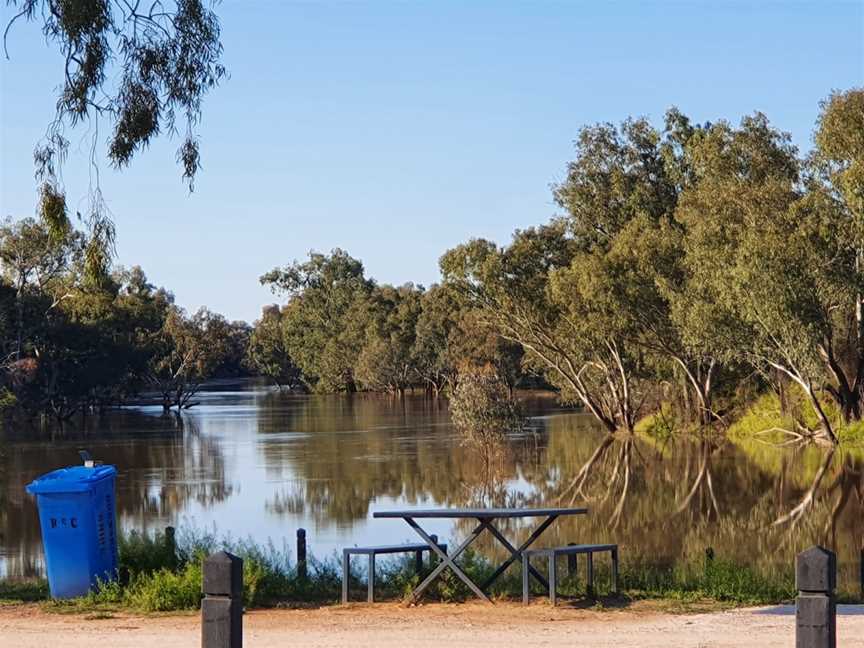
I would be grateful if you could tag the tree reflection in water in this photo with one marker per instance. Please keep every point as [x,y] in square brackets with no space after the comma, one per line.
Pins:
[701,494]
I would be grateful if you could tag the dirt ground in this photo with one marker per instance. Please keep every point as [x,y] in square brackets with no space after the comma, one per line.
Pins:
[452,626]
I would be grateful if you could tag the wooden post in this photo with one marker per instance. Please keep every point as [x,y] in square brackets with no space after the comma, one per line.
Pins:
[222,607]
[862,572]
[418,557]
[815,607]
[572,564]
[171,546]
[301,554]
[418,562]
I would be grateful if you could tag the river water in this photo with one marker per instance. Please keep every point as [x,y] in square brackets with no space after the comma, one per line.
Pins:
[250,462]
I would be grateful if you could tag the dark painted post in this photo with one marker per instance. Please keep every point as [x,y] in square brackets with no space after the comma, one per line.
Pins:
[815,607]
[572,564]
[171,546]
[418,556]
[862,572]
[222,607]
[301,554]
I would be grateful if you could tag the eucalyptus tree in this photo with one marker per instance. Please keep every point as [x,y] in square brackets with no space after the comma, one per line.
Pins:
[452,333]
[386,361]
[266,354]
[434,350]
[838,177]
[324,321]
[773,260]
[188,350]
[587,296]
[531,291]
[33,259]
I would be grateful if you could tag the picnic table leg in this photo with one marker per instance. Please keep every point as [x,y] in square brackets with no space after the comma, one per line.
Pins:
[615,571]
[371,595]
[346,575]
[446,561]
[515,554]
[590,574]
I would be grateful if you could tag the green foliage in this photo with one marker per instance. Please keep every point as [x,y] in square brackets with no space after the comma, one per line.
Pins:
[187,351]
[23,591]
[142,68]
[266,353]
[839,152]
[765,417]
[163,590]
[77,337]
[345,333]
[482,408]
[684,256]
[660,425]
[386,361]
[716,579]
[143,553]
[761,416]
[324,319]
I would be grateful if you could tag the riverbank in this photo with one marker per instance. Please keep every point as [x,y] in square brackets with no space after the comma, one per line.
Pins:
[468,625]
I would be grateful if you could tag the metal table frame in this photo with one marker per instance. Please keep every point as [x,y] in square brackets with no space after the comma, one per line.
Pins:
[485,521]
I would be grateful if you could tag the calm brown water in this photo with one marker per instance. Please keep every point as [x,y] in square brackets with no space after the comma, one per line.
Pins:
[255,463]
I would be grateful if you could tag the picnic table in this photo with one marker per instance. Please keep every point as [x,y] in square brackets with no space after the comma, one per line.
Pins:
[486,519]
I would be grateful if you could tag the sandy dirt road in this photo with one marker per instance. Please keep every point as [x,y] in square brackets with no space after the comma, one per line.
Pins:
[447,626]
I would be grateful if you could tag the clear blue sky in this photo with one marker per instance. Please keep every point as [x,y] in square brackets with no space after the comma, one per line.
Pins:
[397,130]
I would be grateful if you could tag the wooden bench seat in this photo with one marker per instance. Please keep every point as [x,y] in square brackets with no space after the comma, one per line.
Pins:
[571,551]
[418,549]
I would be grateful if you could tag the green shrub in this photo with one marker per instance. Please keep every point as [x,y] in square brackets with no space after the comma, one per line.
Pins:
[145,553]
[23,590]
[165,590]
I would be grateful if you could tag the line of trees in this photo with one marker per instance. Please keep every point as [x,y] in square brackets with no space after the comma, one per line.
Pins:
[341,332]
[687,261]
[693,255]
[78,337]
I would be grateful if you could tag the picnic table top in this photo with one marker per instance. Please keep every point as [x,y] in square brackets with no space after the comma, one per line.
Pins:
[486,513]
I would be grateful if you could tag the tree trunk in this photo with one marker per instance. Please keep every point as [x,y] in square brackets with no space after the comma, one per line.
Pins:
[827,428]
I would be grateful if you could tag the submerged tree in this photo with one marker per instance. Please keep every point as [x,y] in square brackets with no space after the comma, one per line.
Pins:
[187,352]
[484,413]
[324,321]
[266,354]
[386,362]
[528,293]
[451,332]
[482,408]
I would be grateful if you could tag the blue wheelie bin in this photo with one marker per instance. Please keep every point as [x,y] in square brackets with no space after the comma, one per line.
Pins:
[77,515]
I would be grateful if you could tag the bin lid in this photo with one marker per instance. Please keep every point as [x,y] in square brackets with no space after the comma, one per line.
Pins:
[74,479]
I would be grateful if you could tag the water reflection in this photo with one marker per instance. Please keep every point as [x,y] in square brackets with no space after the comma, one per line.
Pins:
[256,462]
[164,464]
